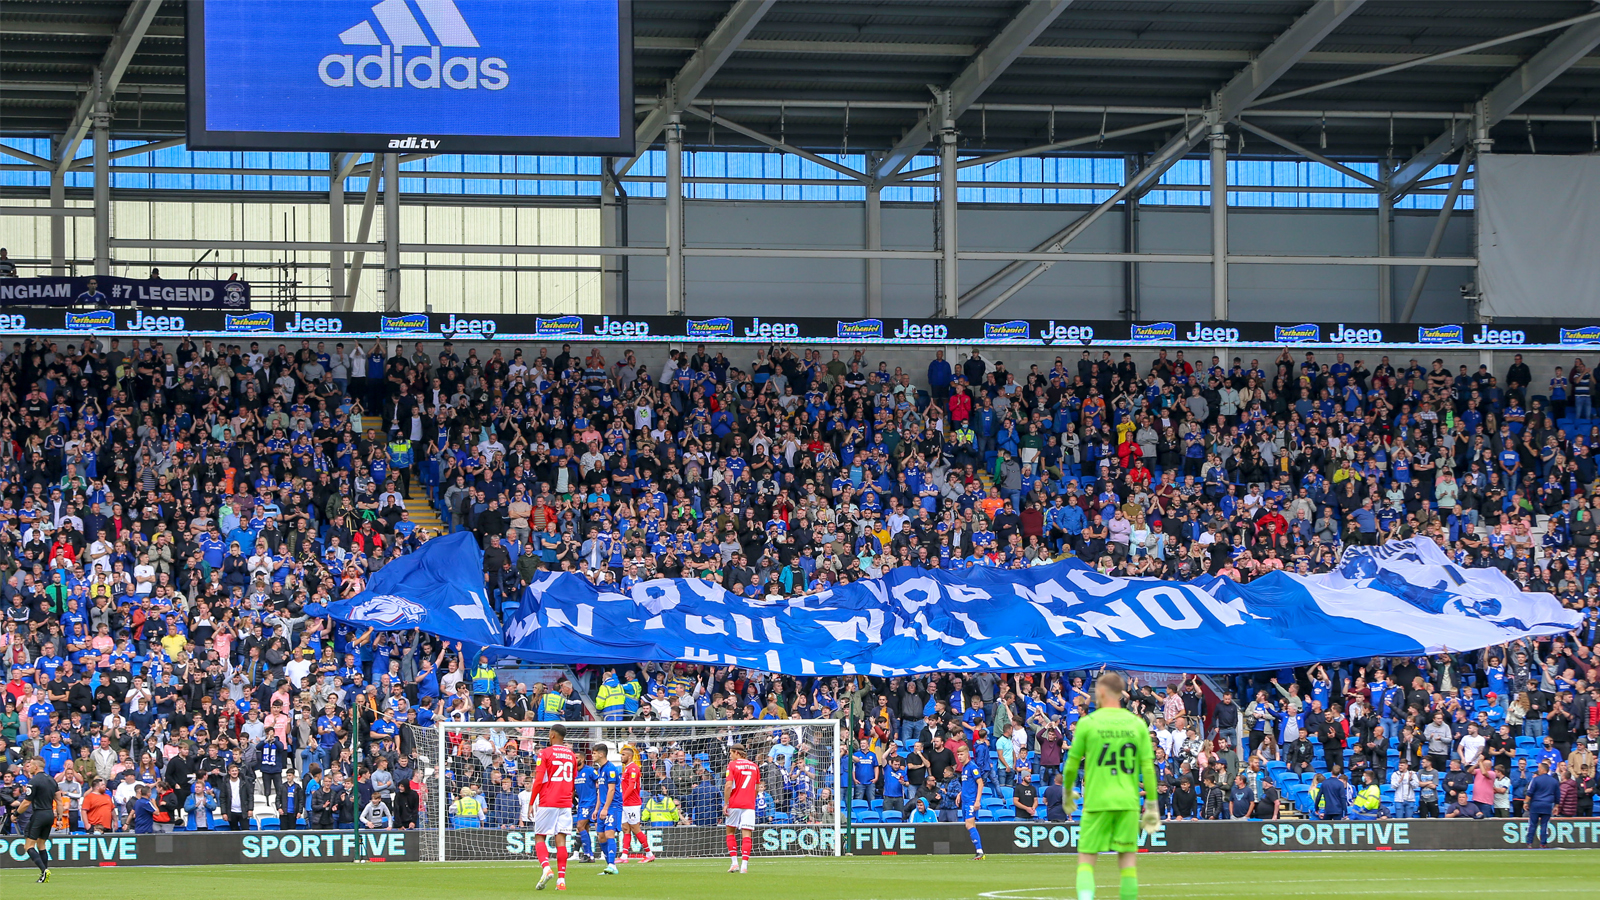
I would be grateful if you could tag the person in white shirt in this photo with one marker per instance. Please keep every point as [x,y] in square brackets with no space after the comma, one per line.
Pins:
[1471,749]
[238,813]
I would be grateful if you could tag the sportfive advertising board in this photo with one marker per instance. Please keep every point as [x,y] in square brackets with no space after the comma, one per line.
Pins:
[466,845]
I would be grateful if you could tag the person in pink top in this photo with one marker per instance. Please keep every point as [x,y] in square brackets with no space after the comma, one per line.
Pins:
[1483,789]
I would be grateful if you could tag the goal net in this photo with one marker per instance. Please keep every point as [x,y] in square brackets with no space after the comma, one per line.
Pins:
[681,768]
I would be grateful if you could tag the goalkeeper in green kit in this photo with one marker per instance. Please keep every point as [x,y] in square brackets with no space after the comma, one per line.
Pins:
[1113,747]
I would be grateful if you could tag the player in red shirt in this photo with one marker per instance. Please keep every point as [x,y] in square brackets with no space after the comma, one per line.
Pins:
[632,806]
[552,804]
[739,788]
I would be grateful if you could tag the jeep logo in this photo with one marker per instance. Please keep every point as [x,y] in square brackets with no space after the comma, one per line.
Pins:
[142,322]
[910,331]
[459,327]
[1487,335]
[1207,335]
[610,327]
[1346,335]
[327,325]
[13,323]
[778,330]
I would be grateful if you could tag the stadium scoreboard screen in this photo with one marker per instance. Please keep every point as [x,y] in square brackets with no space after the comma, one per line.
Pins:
[461,76]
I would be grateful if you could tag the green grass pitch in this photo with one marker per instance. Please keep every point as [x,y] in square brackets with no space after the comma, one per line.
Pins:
[1414,875]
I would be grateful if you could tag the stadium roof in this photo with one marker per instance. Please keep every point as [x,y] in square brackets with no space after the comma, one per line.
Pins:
[823,76]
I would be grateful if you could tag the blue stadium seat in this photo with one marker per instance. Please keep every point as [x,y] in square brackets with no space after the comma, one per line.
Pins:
[868,815]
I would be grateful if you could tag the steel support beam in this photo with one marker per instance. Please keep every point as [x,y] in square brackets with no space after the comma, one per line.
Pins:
[1130,244]
[715,50]
[1385,248]
[609,213]
[102,188]
[58,222]
[1310,154]
[1232,100]
[776,144]
[980,72]
[1436,238]
[949,191]
[135,23]
[874,229]
[363,234]
[391,232]
[1281,55]
[674,233]
[1430,59]
[1219,222]
[1542,68]
[1171,153]
[336,272]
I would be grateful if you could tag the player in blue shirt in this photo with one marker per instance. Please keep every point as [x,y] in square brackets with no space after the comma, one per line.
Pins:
[971,795]
[608,812]
[584,790]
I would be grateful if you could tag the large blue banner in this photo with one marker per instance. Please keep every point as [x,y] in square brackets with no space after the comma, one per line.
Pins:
[438,589]
[1401,599]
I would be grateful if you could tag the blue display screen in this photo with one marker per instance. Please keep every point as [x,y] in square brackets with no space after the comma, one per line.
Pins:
[399,68]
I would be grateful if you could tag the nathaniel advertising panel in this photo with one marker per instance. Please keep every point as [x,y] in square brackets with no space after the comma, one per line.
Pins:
[511,76]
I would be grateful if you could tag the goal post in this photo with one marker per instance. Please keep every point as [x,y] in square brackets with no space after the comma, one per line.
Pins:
[799,809]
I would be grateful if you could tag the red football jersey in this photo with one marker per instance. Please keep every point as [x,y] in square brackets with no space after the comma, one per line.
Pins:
[554,777]
[745,776]
[630,785]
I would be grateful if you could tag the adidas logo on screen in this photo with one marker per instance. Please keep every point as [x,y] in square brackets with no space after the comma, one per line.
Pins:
[392,29]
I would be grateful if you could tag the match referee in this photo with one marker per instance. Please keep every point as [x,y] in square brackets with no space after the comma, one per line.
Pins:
[42,800]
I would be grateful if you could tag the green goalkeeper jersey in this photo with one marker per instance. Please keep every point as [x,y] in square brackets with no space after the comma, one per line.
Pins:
[1113,747]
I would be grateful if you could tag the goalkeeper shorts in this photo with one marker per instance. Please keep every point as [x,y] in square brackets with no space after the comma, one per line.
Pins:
[1109,831]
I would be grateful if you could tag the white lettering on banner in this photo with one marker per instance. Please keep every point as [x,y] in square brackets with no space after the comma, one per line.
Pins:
[1095,584]
[13,323]
[555,618]
[773,632]
[1056,623]
[998,658]
[1047,592]
[1106,624]
[657,596]
[933,634]
[1030,654]
[960,593]
[973,631]
[1151,598]
[909,590]
[173,294]
[867,628]
[704,625]
[697,655]
[521,627]
[1229,612]
[742,628]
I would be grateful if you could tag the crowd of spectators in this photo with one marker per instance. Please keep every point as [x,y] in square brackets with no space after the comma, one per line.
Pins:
[168,508]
